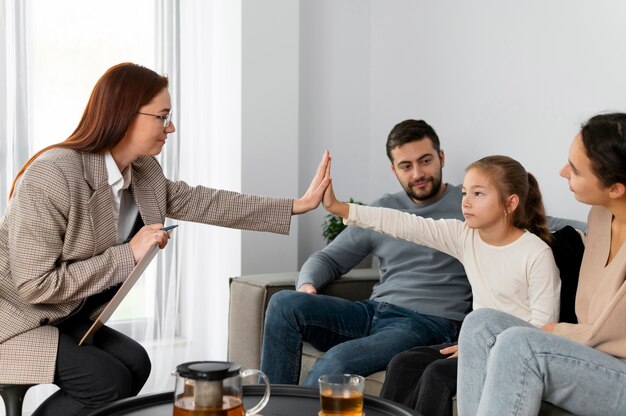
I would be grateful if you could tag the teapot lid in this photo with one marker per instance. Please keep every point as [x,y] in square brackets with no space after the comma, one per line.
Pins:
[208,370]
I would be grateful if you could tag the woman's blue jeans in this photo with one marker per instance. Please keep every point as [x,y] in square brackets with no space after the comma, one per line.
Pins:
[358,337]
[507,367]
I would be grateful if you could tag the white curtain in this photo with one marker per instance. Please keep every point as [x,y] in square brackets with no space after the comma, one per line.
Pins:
[202,59]
[15,139]
[199,48]
[210,154]
[14,128]
[160,334]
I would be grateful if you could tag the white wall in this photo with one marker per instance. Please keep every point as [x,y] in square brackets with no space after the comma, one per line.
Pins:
[503,76]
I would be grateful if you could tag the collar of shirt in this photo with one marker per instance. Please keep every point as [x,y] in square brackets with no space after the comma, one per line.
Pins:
[124,208]
[118,180]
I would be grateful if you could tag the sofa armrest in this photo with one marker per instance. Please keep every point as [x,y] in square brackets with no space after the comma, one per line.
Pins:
[250,294]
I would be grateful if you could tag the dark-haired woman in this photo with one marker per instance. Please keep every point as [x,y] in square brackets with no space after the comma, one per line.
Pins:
[83,212]
[508,367]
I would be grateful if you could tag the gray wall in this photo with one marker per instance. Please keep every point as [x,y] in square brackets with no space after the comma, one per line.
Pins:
[504,76]
[335,105]
[492,76]
[269,139]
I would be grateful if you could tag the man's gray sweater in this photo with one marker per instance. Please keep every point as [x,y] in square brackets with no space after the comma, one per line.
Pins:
[412,276]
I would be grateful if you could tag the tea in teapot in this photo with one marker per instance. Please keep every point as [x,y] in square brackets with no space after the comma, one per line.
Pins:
[213,388]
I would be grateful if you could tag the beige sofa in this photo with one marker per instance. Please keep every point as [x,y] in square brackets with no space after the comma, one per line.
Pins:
[249,296]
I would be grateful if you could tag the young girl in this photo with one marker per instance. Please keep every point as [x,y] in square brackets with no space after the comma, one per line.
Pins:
[508,267]
[579,367]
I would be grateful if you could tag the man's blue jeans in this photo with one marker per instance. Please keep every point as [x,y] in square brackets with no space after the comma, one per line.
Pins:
[358,337]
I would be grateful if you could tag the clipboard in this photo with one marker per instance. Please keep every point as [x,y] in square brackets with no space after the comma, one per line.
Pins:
[121,292]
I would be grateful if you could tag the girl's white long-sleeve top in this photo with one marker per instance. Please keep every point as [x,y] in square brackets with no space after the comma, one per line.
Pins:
[520,278]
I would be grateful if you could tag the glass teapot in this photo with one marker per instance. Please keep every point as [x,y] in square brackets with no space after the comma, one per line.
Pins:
[214,388]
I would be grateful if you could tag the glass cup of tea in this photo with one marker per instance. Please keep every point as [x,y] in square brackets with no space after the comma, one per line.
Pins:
[341,395]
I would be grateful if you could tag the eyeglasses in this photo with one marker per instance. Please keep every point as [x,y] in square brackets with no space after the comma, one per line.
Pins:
[167,119]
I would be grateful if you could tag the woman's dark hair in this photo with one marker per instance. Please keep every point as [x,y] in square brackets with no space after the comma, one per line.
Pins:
[113,105]
[409,131]
[510,178]
[604,139]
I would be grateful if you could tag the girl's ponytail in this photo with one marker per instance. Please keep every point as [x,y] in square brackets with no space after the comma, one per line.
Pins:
[535,213]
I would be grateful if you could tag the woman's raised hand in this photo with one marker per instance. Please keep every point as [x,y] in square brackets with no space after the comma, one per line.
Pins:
[313,196]
[146,237]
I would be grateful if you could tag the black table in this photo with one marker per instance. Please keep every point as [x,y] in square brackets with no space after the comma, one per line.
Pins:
[285,400]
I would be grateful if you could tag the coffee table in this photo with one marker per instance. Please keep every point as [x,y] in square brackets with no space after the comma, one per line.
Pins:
[285,400]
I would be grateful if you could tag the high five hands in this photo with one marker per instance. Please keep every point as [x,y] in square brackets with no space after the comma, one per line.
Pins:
[313,196]
[332,205]
[321,189]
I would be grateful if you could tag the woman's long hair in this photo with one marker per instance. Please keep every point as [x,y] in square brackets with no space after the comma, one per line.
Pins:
[510,178]
[112,106]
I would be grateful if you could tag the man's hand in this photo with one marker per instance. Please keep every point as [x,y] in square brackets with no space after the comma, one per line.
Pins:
[308,288]
[452,350]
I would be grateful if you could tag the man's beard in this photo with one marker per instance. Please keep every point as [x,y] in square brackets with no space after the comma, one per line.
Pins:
[427,193]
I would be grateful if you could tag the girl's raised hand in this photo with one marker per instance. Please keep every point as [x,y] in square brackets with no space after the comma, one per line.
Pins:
[332,204]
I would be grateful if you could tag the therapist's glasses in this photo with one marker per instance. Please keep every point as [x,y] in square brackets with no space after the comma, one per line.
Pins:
[167,119]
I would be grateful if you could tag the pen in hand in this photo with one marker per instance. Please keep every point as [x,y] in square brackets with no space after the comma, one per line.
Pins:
[169,227]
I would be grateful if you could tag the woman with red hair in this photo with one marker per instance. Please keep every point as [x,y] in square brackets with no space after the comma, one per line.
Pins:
[82,213]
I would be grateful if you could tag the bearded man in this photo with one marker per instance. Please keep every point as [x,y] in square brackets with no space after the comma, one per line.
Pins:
[421,298]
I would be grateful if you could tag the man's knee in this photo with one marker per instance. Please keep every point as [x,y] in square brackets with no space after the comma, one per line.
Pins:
[327,364]
[284,302]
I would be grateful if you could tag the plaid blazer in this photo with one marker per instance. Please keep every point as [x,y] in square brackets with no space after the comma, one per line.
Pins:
[58,244]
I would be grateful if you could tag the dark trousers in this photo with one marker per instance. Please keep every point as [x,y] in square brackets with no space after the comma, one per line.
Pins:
[422,379]
[109,367]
